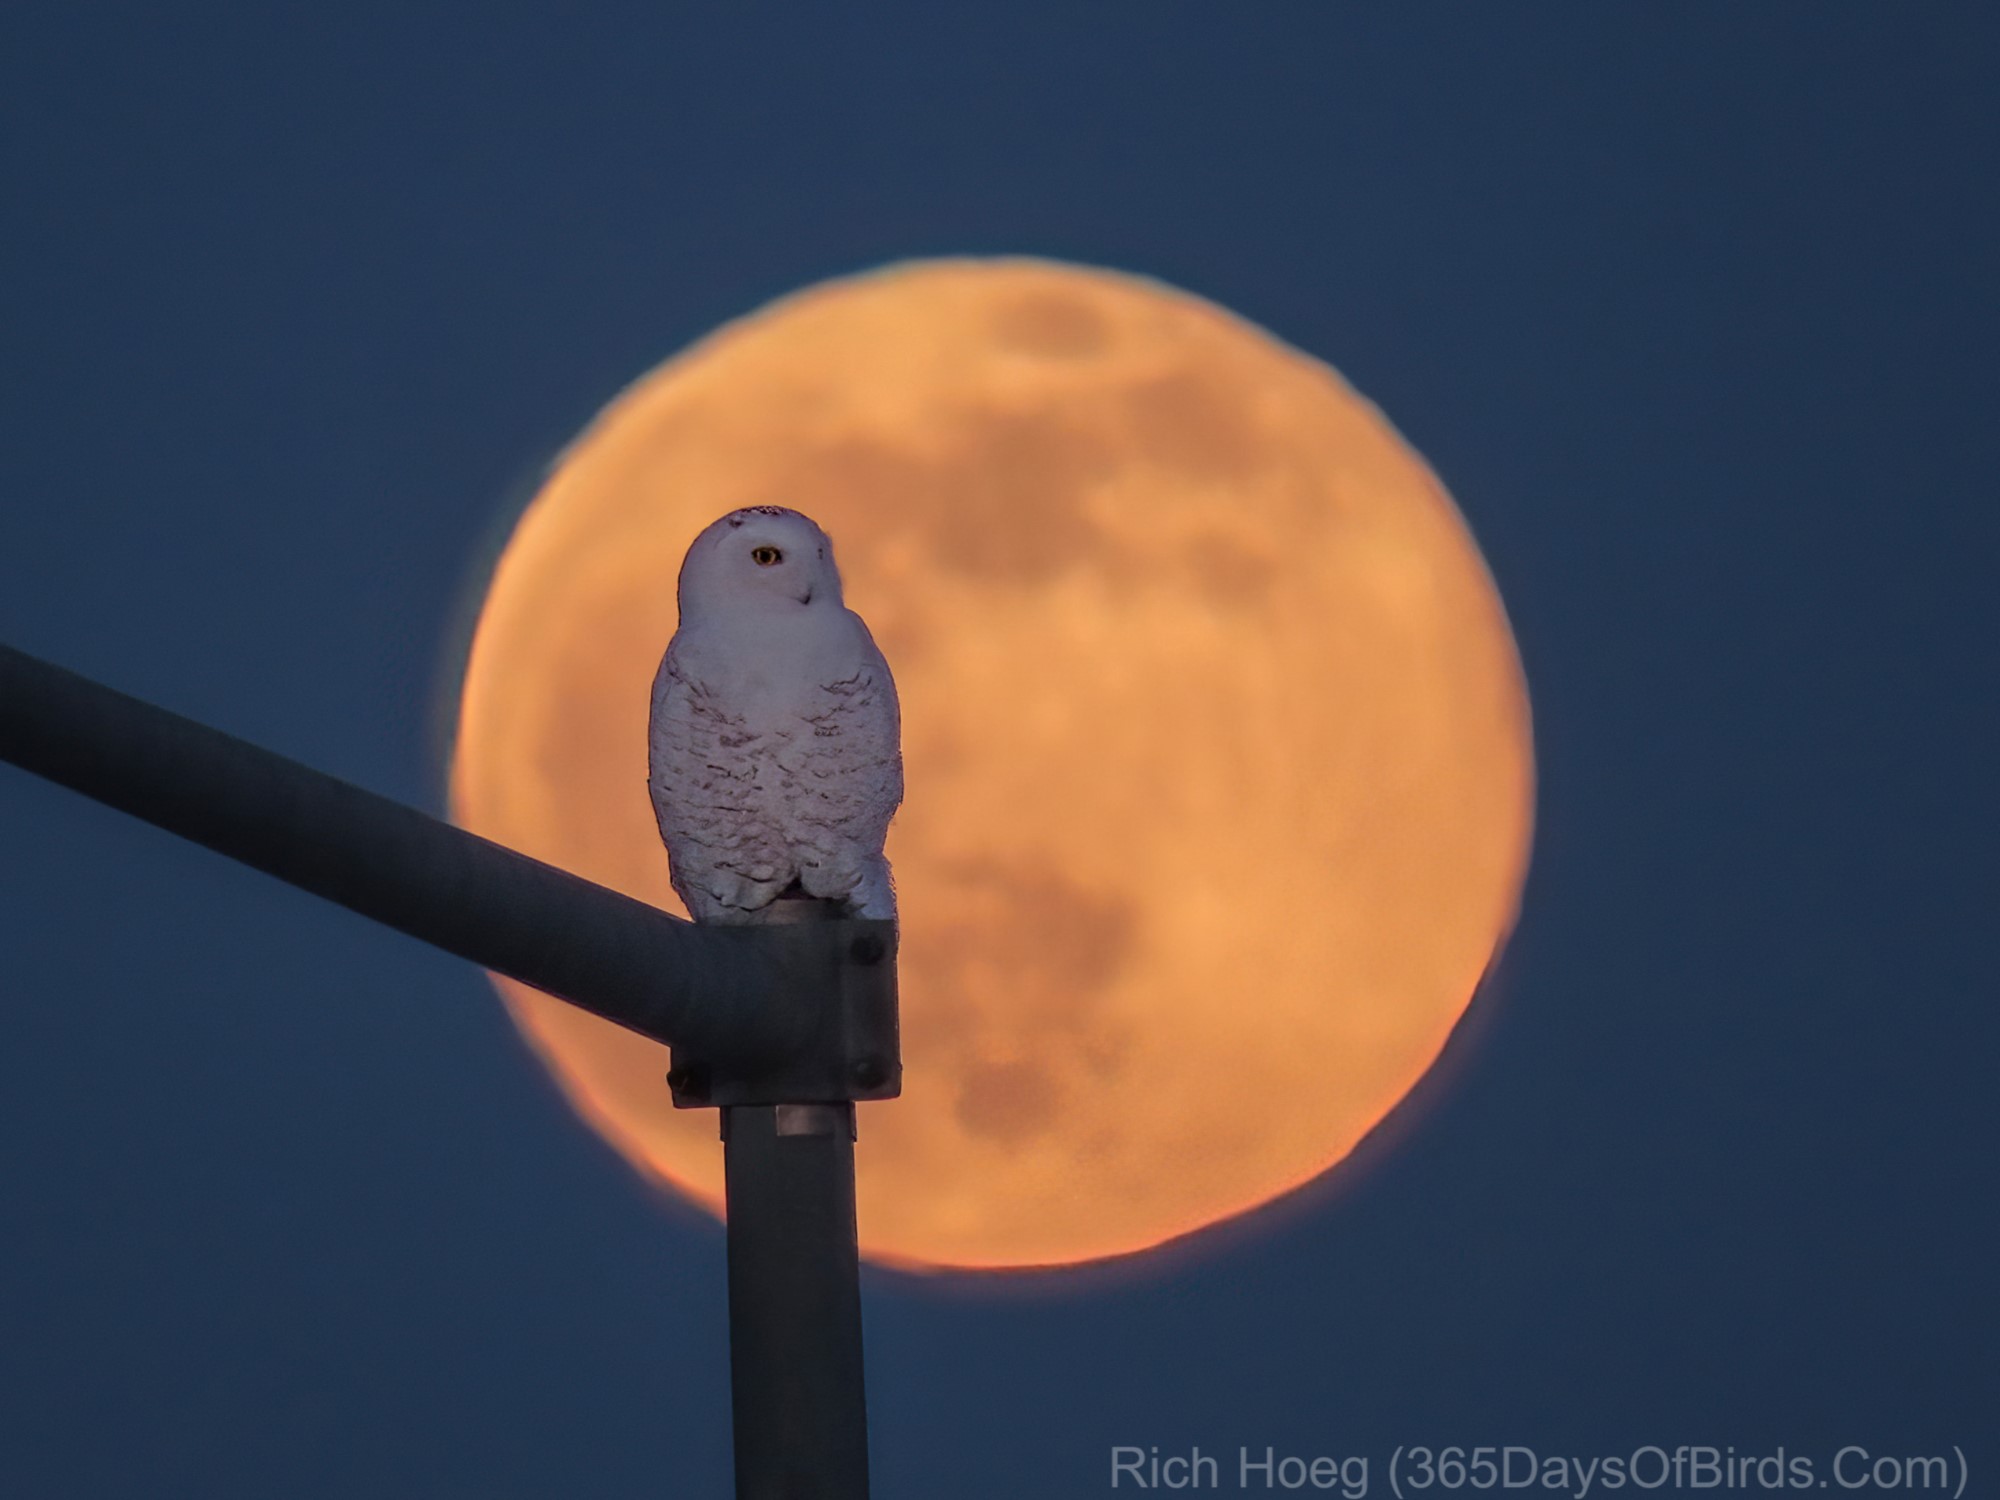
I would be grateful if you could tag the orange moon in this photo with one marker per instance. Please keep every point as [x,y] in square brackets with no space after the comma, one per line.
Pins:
[1217,742]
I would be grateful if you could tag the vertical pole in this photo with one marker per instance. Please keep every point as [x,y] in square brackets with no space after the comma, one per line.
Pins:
[795,1368]
[794,1303]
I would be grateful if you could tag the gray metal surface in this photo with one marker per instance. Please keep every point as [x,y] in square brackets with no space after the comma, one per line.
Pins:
[754,1001]
[797,1015]
[798,1404]
[855,1051]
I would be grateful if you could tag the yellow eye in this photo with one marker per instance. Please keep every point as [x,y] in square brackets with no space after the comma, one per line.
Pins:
[766,557]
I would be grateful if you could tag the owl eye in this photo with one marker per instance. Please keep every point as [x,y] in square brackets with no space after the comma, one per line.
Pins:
[766,557]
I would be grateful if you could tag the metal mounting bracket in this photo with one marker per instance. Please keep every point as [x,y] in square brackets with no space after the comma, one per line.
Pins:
[850,1050]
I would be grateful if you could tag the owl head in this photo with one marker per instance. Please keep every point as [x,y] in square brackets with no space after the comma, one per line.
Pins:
[763,557]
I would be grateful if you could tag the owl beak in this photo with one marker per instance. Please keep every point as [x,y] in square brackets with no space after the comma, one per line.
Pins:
[807,597]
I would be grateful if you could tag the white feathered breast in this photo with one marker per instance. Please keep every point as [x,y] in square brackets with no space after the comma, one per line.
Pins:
[776,757]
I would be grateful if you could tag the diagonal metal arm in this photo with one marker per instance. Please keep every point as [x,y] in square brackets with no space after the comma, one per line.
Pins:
[741,997]
[782,1025]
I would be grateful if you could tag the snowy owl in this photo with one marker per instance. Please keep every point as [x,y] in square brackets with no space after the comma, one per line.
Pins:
[776,754]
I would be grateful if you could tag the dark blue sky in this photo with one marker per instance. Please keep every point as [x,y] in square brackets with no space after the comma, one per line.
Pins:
[1692,307]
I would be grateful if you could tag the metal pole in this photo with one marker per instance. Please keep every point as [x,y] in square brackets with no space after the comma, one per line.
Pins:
[795,1366]
[734,995]
[799,1008]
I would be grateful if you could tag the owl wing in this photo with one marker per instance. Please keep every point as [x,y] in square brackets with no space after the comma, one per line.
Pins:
[724,857]
[842,781]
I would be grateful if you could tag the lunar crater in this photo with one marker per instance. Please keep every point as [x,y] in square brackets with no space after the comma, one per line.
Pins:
[1189,422]
[1051,325]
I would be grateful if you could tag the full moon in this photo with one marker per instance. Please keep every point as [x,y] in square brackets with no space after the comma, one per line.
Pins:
[1217,742]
